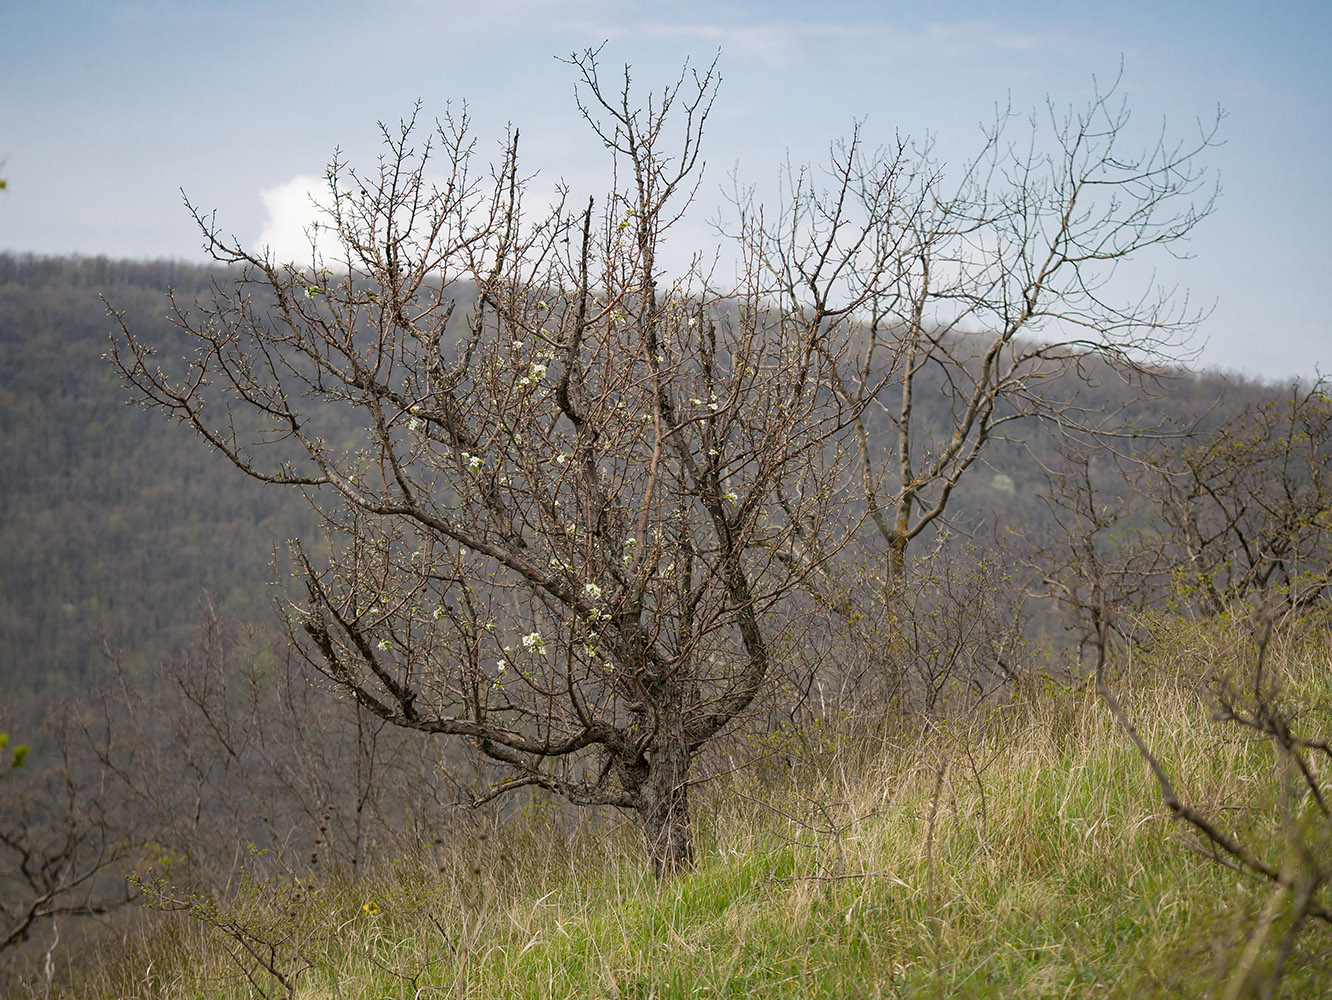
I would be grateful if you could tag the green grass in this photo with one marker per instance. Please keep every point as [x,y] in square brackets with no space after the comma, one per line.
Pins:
[1022,854]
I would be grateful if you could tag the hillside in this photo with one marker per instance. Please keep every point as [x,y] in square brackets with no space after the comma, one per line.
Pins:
[114,522]
[930,799]
[1023,854]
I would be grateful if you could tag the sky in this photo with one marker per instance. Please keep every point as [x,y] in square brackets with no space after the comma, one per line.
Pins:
[112,109]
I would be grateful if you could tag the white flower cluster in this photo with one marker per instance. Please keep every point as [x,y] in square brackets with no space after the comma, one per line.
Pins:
[533,644]
[536,371]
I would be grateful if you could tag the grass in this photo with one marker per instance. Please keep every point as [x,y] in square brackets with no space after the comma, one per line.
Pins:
[1020,854]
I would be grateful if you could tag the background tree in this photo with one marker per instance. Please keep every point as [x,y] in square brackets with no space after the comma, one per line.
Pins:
[1226,515]
[989,290]
[567,533]
[65,832]
[230,743]
[1247,504]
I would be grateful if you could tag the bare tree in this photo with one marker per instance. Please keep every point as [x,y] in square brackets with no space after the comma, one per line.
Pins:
[989,291]
[1101,543]
[583,497]
[65,834]
[1247,505]
[231,743]
[1229,515]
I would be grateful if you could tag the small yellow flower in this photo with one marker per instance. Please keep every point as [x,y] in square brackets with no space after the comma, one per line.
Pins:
[370,909]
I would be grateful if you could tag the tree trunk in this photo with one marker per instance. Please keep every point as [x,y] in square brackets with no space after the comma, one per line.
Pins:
[663,811]
[897,546]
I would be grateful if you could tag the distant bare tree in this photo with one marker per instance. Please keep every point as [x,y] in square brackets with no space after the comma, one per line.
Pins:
[230,744]
[1231,515]
[575,528]
[66,836]
[1247,505]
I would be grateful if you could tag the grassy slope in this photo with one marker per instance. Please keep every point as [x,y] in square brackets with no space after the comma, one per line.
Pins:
[1022,855]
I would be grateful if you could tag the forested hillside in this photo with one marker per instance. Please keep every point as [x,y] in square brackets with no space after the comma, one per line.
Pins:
[113,521]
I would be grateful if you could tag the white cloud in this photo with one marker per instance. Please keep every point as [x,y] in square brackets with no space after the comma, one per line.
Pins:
[290,217]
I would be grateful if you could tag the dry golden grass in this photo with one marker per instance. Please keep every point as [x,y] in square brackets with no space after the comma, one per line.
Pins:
[1019,853]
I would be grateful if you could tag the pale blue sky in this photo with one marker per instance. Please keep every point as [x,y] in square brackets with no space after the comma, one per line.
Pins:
[110,108]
